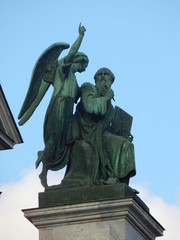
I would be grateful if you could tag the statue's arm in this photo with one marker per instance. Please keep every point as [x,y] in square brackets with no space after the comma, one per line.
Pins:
[91,102]
[76,45]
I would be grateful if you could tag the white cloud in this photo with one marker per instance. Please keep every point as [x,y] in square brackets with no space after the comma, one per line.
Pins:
[15,197]
[24,194]
[167,214]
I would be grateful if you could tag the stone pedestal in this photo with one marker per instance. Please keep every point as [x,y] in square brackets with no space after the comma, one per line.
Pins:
[120,219]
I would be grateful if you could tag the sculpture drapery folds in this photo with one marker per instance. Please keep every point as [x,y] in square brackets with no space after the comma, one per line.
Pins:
[94,142]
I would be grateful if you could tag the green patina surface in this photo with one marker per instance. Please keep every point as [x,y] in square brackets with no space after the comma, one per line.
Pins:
[60,195]
[94,142]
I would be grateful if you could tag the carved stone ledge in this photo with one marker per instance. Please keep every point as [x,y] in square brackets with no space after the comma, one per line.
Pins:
[114,219]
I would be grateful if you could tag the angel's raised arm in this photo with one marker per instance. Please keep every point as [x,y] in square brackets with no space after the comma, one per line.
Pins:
[76,45]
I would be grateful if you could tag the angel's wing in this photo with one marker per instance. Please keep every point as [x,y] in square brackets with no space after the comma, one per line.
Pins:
[42,76]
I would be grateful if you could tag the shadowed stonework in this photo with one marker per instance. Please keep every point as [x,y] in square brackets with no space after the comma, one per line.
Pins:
[71,195]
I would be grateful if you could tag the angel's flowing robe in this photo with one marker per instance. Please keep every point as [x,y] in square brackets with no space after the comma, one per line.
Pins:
[60,129]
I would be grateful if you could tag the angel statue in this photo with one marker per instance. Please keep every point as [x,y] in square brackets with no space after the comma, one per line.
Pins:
[60,129]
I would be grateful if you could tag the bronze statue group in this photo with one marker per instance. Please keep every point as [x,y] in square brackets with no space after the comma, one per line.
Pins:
[94,143]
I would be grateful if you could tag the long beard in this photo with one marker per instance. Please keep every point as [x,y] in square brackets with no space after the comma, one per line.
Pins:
[101,90]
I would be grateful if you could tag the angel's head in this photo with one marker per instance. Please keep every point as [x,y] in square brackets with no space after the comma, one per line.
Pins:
[80,61]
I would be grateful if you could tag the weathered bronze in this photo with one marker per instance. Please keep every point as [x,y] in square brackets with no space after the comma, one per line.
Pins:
[95,143]
[104,153]
[59,130]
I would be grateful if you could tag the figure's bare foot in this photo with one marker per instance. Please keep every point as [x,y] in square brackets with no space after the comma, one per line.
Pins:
[43,178]
[39,160]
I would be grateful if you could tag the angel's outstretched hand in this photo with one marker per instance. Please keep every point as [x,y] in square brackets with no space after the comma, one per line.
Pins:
[82,29]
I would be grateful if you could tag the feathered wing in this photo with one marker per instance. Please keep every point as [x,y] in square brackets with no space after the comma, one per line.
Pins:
[42,76]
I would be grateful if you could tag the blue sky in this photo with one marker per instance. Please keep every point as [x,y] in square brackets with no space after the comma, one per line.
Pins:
[138,40]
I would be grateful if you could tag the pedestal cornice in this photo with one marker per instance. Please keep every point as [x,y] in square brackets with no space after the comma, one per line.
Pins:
[127,209]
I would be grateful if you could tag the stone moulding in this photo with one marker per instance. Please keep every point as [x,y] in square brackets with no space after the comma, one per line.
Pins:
[9,133]
[127,209]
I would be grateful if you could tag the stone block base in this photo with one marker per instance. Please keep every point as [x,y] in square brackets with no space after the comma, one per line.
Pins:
[120,219]
[60,195]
